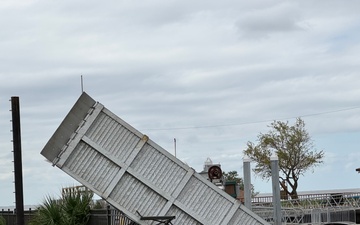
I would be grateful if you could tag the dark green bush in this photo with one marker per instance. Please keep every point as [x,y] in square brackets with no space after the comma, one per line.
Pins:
[2,220]
[72,209]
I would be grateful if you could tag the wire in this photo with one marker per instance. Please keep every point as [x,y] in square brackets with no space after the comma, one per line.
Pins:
[253,122]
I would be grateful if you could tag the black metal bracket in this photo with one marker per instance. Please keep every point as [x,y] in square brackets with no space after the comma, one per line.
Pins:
[161,219]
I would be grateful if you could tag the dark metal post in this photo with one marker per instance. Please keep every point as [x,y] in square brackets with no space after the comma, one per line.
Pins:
[108,215]
[19,198]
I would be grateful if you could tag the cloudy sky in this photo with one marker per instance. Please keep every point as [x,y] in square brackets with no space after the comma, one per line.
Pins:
[212,74]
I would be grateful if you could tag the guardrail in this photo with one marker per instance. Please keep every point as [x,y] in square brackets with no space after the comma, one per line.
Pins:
[330,206]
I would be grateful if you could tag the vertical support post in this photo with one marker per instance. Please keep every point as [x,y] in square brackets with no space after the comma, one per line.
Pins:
[247,182]
[315,216]
[108,215]
[19,198]
[274,160]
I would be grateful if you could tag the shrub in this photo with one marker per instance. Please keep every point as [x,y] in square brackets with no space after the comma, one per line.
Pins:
[2,220]
[49,213]
[72,209]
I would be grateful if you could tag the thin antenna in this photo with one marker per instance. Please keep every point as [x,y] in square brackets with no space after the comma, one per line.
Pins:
[82,84]
[175,146]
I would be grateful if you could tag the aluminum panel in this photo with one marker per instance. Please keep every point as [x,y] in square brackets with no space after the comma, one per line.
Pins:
[133,195]
[86,163]
[133,173]
[67,127]
[241,217]
[182,216]
[204,199]
[112,136]
[158,169]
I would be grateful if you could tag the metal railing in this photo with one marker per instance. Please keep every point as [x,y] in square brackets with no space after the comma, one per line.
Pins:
[329,206]
[10,216]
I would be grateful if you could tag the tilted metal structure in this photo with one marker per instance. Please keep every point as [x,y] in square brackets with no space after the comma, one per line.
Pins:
[133,173]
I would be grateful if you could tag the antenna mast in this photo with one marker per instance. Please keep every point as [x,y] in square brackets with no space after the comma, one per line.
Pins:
[82,84]
[175,146]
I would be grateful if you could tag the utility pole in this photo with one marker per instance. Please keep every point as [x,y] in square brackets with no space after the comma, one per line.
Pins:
[19,196]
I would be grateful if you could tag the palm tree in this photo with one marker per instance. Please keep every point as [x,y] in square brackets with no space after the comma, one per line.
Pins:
[72,209]
[76,207]
[49,213]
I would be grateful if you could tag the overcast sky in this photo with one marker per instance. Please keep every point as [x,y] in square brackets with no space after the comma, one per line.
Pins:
[212,74]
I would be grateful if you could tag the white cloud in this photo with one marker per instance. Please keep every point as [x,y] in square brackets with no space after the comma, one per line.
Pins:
[221,71]
[281,17]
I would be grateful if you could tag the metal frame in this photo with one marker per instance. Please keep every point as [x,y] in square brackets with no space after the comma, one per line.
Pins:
[161,219]
[131,172]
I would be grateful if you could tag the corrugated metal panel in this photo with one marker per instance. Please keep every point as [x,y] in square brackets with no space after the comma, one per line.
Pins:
[158,169]
[133,173]
[112,136]
[204,200]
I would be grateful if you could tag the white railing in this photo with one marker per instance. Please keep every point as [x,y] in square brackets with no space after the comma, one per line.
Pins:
[326,206]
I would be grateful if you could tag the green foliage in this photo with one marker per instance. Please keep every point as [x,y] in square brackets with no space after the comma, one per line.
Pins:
[2,220]
[72,209]
[49,213]
[77,208]
[233,176]
[294,148]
